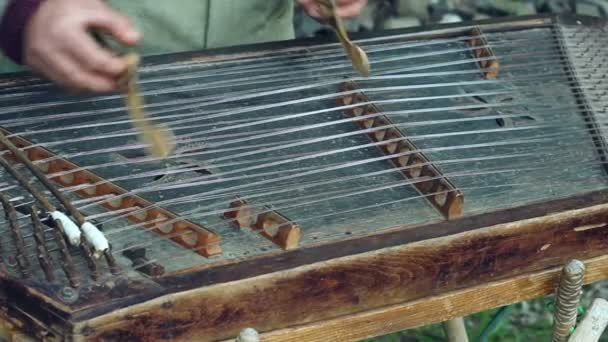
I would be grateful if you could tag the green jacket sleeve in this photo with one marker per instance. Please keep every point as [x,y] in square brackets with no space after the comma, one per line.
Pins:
[199,24]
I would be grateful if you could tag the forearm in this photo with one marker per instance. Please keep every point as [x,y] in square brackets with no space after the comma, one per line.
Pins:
[12,27]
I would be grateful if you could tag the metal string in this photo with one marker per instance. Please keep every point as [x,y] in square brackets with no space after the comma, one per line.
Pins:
[486,106]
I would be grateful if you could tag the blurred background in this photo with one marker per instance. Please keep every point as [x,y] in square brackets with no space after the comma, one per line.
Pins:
[391,14]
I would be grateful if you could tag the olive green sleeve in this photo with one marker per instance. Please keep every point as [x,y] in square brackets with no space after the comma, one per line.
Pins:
[236,22]
[199,24]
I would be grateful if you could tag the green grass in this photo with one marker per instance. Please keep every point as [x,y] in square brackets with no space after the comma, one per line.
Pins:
[530,321]
[505,331]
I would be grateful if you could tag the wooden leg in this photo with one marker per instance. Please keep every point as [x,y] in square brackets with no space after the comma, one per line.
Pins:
[567,300]
[455,330]
[248,335]
[593,324]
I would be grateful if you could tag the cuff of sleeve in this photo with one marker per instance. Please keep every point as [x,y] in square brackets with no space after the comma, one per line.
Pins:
[12,27]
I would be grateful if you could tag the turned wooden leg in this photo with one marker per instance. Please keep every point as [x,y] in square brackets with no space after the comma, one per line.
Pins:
[593,324]
[248,335]
[455,330]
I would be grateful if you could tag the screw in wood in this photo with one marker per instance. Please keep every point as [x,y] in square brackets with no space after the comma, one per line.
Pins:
[44,258]
[114,268]
[68,264]
[11,216]
[68,294]
[87,252]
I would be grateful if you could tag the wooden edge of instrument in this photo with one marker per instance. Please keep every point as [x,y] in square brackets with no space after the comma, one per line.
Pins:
[187,234]
[271,224]
[371,281]
[439,190]
[436,309]
[481,50]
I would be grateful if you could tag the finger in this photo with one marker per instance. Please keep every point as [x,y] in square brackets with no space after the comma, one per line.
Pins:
[346,2]
[68,73]
[114,23]
[312,9]
[45,64]
[96,59]
[96,83]
[360,3]
[349,9]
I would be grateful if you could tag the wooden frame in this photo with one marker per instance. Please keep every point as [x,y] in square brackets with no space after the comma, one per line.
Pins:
[512,260]
[310,293]
[421,312]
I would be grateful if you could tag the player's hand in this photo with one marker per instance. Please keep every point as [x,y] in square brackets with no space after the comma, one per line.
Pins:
[58,44]
[344,8]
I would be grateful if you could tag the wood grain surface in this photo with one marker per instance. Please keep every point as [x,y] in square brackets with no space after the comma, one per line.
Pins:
[435,309]
[368,281]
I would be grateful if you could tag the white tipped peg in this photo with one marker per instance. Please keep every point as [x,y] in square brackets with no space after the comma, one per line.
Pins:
[96,239]
[70,229]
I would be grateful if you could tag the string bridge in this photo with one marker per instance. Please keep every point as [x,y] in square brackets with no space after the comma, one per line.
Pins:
[142,212]
[484,54]
[413,164]
[271,224]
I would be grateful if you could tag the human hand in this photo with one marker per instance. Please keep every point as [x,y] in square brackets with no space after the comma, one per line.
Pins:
[58,44]
[344,8]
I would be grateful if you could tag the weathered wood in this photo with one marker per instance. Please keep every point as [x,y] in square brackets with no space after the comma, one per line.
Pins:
[239,214]
[125,293]
[593,324]
[482,50]
[435,309]
[271,224]
[156,219]
[236,269]
[413,164]
[278,229]
[362,282]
